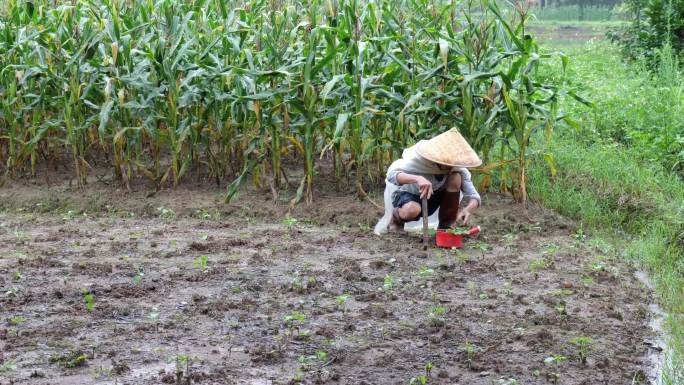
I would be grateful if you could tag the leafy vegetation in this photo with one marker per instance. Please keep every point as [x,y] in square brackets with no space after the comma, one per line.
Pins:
[653,24]
[161,88]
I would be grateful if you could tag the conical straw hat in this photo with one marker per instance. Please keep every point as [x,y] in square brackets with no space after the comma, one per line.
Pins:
[450,149]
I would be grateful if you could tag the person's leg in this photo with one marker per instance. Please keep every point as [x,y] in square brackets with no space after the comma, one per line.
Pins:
[406,209]
[451,197]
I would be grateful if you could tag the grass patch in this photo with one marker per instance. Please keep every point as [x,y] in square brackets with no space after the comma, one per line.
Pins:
[606,188]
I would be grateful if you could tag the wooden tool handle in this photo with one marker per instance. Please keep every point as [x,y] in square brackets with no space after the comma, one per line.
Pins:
[426,238]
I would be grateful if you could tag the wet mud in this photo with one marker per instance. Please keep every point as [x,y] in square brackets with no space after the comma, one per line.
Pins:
[257,298]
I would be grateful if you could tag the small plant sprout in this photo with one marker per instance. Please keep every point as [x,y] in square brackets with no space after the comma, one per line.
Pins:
[436,315]
[166,213]
[470,350]
[13,292]
[17,320]
[89,300]
[290,222]
[423,379]
[482,248]
[509,240]
[201,263]
[554,360]
[587,280]
[388,283]
[69,215]
[579,235]
[472,288]
[582,344]
[294,319]
[426,272]
[154,314]
[341,301]
[17,276]
[552,249]
[137,278]
[8,367]
[507,289]
[538,264]
[562,311]
[322,356]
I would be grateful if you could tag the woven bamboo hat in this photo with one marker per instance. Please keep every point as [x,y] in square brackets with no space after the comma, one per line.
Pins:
[450,149]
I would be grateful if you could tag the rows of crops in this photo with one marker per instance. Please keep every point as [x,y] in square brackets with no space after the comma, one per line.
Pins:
[228,90]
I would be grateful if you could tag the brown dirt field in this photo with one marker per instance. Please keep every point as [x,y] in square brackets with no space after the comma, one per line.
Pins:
[190,290]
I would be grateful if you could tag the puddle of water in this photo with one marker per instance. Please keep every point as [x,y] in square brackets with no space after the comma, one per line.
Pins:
[656,357]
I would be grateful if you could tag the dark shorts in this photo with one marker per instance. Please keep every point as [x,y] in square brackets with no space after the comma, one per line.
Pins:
[400,198]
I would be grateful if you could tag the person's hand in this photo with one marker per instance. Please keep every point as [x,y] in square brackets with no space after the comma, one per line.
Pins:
[425,187]
[463,216]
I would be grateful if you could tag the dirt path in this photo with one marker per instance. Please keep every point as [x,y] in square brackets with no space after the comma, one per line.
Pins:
[255,300]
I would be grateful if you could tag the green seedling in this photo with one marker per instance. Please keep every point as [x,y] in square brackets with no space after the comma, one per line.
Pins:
[69,215]
[166,213]
[562,293]
[388,283]
[426,272]
[137,278]
[294,319]
[588,281]
[471,350]
[322,356]
[561,309]
[154,315]
[201,262]
[552,249]
[554,359]
[436,315]
[13,292]
[507,289]
[472,288]
[538,264]
[17,320]
[482,247]
[423,379]
[71,360]
[8,367]
[509,240]
[341,301]
[290,222]
[583,345]
[89,300]
[17,276]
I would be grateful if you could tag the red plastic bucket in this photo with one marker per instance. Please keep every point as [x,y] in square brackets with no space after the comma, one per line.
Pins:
[448,240]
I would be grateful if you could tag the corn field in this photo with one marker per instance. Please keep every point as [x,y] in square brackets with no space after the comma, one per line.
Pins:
[230,90]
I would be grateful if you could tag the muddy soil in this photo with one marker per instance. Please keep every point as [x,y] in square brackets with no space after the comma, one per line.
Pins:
[103,287]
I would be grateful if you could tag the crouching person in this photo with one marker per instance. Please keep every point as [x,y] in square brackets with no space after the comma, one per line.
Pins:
[434,169]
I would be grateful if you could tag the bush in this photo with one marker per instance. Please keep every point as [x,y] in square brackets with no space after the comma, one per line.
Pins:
[655,23]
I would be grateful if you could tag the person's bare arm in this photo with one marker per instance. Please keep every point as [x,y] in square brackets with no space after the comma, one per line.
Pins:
[424,185]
